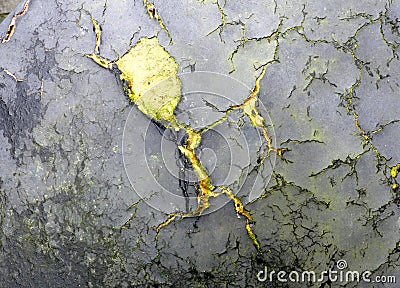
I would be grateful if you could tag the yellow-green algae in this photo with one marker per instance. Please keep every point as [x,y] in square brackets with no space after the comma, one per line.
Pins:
[394,170]
[144,66]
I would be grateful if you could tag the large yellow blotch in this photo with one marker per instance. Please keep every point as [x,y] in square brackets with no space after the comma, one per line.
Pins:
[150,72]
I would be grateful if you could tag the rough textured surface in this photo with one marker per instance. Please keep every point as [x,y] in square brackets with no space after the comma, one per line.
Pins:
[69,216]
[6,6]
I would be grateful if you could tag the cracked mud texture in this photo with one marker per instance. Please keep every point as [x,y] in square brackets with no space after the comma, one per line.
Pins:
[68,214]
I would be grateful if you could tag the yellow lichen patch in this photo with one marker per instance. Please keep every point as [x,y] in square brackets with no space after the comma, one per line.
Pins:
[150,73]
[144,66]
[394,171]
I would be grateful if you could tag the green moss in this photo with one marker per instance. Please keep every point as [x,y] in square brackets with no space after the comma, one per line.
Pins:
[3,16]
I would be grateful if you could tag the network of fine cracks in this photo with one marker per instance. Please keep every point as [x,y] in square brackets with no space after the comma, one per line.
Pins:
[165,114]
[249,109]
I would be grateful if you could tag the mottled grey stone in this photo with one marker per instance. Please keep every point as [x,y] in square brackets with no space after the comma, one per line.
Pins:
[69,214]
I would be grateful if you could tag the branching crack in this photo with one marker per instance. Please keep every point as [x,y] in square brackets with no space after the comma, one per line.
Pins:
[12,75]
[129,66]
[152,11]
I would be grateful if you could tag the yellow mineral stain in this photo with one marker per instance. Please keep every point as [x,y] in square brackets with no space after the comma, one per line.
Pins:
[223,20]
[12,25]
[237,202]
[249,108]
[10,31]
[152,11]
[101,61]
[12,75]
[364,134]
[394,171]
[97,31]
[206,188]
[171,217]
[241,211]
[41,89]
[253,236]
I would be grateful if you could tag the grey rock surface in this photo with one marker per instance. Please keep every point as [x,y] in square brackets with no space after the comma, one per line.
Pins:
[69,216]
[6,6]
